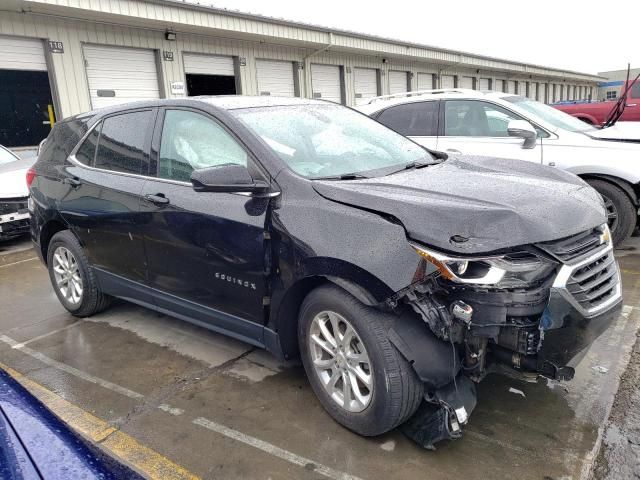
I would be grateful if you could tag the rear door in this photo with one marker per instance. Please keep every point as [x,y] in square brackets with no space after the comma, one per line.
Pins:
[477,127]
[416,120]
[206,251]
[103,180]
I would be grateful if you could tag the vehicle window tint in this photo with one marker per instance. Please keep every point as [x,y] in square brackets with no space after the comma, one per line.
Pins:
[87,151]
[476,119]
[635,90]
[122,143]
[191,141]
[412,119]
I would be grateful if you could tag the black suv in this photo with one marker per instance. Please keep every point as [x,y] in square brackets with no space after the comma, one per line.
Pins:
[399,276]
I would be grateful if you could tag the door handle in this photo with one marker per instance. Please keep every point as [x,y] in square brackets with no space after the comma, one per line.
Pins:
[632,104]
[72,181]
[157,199]
[453,150]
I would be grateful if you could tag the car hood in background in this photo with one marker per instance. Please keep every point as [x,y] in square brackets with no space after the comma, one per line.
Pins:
[621,131]
[493,203]
[13,183]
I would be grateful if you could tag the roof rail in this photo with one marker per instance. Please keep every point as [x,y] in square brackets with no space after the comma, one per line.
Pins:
[423,92]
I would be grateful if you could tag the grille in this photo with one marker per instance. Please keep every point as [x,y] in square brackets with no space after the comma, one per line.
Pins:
[594,283]
[12,206]
[575,246]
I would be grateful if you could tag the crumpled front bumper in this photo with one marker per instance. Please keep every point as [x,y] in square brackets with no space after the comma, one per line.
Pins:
[568,326]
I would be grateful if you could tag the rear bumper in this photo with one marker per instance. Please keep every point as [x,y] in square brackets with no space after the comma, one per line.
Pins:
[14,217]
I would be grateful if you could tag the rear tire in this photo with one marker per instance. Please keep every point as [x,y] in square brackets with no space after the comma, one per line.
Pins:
[395,392]
[72,278]
[621,213]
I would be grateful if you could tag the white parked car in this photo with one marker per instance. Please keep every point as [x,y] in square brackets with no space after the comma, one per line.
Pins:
[14,215]
[460,121]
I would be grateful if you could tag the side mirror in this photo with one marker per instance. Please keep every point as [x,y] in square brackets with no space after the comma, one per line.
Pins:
[523,129]
[229,178]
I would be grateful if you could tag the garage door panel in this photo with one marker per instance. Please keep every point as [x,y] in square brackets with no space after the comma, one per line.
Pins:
[275,78]
[366,84]
[325,81]
[397,82]
[466,82]
[447,81]
[22,54]
[208,64]
[485,84]
[130,73]
[425,81]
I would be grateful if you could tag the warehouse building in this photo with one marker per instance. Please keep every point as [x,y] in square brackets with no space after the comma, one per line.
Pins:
[63,57]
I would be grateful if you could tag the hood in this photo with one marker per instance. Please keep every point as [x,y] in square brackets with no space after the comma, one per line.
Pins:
[621,131]
[13,183]
[493,203]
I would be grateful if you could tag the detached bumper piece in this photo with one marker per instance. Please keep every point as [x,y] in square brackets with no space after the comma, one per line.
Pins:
[14,218]
[442,417]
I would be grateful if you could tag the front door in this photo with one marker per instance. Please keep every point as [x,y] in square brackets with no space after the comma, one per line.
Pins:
[102,183]
[475,127]
[205,250]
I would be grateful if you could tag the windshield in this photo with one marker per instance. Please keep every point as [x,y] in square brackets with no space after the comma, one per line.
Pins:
[551,115]
[6,156]
[330,140]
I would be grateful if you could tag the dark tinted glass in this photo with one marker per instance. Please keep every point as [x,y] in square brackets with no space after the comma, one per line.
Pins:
[87,151]
[635,90]
[63,138]
[412,119]
[122,143]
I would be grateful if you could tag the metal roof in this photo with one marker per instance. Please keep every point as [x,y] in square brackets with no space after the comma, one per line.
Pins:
[189,4]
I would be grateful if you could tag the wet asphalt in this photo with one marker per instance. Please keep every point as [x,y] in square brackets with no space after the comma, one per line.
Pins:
[222,409]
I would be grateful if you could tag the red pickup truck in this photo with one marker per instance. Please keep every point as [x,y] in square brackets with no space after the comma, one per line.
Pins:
[596,113]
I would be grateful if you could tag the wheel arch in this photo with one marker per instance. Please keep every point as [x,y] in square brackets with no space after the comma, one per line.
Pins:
[48,230]
[623,185]
[354,280]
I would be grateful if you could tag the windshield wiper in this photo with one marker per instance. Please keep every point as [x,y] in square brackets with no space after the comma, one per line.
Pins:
[344,176]
[415,165]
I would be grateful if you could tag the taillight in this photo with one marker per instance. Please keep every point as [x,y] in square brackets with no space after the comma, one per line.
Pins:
[31,174]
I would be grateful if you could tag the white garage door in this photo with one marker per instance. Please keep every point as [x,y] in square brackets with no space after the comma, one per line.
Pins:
[447,81]
[22,54]
[366,84]
[325,82]
[118,75]
[532,90]
[397,82]
[275,78]
[485,84]
[208,64]
[542,93]
[425,81]
[466,82]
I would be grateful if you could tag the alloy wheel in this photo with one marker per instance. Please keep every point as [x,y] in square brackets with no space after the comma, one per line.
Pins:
[341,361]
[67,275]
[612,213]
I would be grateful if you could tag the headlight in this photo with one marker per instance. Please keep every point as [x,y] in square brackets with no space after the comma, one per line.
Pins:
[511,270]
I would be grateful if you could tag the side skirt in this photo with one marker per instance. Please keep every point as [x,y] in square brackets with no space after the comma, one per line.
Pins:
[215,320]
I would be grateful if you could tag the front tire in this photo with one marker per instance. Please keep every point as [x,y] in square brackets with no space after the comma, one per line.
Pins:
[360,378]
[72,278]
[621,214]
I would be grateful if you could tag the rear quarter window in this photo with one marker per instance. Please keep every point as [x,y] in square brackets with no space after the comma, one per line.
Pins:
[62,140]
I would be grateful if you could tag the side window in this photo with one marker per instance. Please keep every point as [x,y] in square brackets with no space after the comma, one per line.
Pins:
[635,90]
[122,143]
[191,141]
[464,118]
[87,152]
[412,119]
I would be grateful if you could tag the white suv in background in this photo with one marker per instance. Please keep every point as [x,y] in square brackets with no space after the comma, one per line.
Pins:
[470,122]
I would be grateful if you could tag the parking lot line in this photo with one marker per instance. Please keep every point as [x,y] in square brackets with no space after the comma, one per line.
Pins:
[71,370]
[273,450]
[125,448]
[20,261]
[45,335]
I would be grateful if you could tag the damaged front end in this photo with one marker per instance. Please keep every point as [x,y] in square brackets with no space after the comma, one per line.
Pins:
[526,312]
